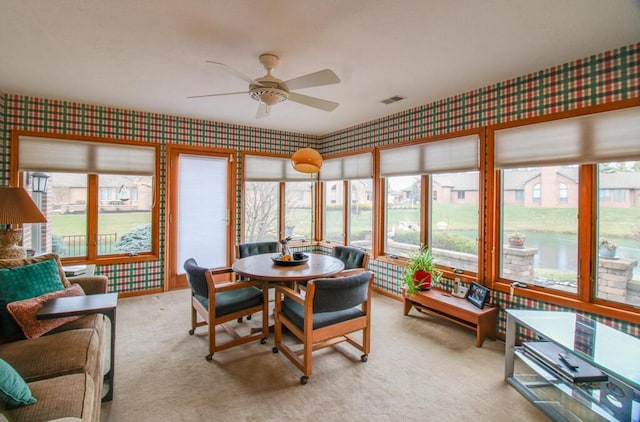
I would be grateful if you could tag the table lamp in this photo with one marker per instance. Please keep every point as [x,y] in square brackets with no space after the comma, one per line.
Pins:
[16,207]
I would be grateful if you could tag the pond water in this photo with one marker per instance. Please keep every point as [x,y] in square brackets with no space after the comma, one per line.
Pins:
[556,250]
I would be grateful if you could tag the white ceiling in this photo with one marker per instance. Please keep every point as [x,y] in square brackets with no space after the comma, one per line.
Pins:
[149,55]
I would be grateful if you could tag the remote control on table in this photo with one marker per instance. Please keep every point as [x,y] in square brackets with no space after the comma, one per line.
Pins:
[564,357]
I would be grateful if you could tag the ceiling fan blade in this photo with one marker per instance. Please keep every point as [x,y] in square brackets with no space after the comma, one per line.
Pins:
[218,95]
[263,111]
[322,77]
[231,71]
[313,101]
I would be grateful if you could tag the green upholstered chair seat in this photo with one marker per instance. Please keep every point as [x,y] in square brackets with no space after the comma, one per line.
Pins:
[233,301]
[295,312]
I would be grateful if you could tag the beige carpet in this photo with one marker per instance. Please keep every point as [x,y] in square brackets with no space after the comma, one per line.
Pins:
[420,369]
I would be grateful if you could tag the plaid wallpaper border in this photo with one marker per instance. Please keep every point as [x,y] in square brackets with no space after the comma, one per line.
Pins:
[600,79]
[603,78]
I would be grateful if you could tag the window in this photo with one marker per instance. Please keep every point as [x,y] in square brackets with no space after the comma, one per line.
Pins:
[361,213]
[99,199]
[450,224]
[260,208]
[454,223]
[562,152]
[349,180]
[519,195]
[298,215]
[618,245]
[549,256]
[564,193]
[334,212]
[264,205]
[619,195]
[536,193]
[402,216]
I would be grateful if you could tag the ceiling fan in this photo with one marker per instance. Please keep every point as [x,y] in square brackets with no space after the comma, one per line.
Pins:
[269,90]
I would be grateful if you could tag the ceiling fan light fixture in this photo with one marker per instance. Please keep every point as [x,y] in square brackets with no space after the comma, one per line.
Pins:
[268,95]
[307,160]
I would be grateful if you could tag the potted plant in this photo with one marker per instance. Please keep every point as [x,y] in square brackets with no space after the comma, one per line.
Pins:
[516,239]
[607,248]
[421,273]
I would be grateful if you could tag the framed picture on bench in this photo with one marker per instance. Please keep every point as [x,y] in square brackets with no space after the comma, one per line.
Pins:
[478,295]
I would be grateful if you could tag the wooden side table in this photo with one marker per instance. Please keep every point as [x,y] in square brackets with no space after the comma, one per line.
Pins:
[457,310]
[105,304]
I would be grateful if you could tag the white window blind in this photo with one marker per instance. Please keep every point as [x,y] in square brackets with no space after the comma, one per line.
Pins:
[608,136]
[70,156]
[357,166]
[260,168]
[456,154]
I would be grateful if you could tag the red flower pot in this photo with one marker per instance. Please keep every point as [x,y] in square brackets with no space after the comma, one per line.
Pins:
[422,279]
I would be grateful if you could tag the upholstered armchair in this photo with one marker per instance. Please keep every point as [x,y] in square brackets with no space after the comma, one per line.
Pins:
[329,312]
[219,299]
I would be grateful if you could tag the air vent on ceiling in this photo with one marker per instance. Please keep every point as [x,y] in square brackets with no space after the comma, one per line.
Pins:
[393,99]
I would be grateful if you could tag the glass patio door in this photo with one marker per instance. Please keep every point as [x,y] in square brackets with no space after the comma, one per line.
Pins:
[199,212]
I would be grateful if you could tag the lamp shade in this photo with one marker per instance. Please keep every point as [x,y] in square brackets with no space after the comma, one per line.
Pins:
[17,207]
[307,160]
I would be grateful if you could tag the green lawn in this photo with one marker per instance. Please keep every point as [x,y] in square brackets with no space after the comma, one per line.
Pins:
[76,224]
[614,222]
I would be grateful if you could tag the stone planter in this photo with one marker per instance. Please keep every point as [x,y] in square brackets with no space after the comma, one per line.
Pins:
[516,241]
[607,252]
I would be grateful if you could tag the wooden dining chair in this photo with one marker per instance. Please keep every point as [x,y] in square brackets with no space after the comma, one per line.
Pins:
[331,310]
[218,299]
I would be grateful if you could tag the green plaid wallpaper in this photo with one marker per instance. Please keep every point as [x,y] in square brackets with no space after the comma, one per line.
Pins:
[55,116]
[599,79]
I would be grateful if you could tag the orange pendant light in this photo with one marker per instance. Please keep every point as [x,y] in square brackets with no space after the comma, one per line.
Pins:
[307,160]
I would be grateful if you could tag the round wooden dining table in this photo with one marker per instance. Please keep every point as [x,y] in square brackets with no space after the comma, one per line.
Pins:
[262,267]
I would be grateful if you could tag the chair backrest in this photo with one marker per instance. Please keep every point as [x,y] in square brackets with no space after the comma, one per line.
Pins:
[350,256]
[196,277]
[336,294]
[244,250]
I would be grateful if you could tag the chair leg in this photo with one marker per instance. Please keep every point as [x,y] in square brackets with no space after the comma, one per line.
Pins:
[194,320]
[212,340]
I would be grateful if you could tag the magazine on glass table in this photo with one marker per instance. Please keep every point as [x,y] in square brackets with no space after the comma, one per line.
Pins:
[567,365]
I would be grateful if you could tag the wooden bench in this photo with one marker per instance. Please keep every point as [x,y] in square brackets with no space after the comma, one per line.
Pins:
[441,303]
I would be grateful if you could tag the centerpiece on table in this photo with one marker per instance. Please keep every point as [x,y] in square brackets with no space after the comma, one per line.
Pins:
[421,273]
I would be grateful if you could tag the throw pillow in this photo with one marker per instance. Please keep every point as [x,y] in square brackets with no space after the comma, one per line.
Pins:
[25,282]
[24,312]
[14,392]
